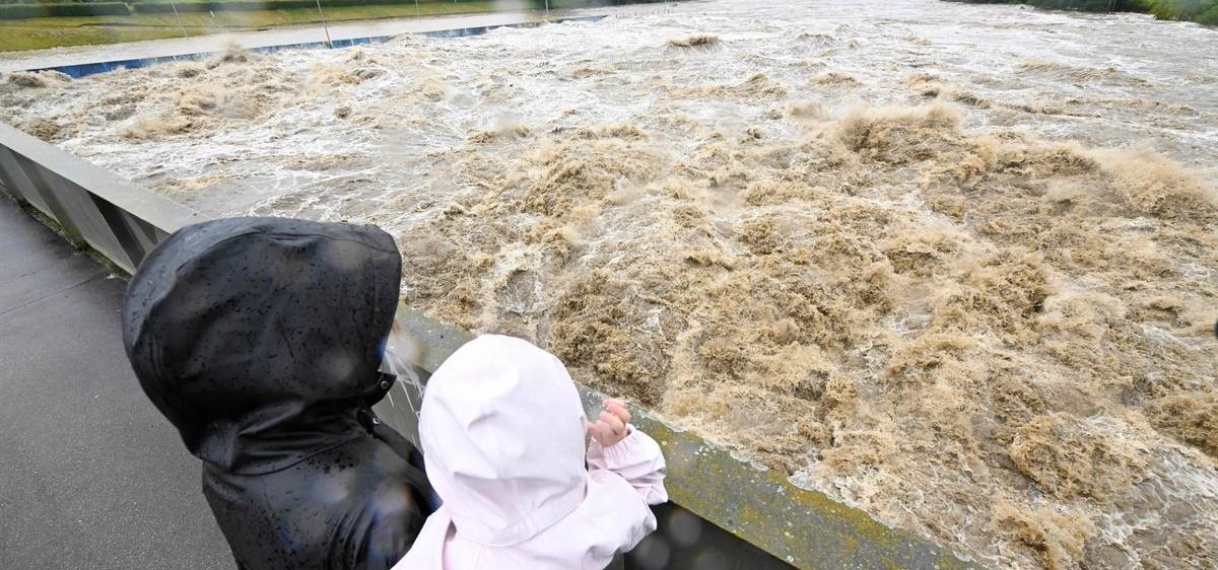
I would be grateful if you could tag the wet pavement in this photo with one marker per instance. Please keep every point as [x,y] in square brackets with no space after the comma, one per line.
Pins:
[91,475]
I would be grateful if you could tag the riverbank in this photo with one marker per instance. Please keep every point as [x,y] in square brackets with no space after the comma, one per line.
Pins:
[44,33]
[1200,11]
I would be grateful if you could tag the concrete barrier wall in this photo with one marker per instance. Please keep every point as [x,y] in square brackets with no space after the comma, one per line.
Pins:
[92,206]
[727,512]
[757,519]
[84,69]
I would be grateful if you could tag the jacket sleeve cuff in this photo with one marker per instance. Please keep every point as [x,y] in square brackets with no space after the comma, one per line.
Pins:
[629,451]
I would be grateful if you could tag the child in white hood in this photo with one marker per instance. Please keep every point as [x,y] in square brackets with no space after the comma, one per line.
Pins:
[503,434]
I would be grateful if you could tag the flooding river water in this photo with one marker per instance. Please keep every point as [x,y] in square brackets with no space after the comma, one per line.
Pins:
[953,264]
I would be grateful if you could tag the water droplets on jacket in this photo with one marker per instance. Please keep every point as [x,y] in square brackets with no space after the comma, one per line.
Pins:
[260,339]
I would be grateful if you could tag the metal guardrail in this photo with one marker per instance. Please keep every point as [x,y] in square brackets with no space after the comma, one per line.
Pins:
[727,513]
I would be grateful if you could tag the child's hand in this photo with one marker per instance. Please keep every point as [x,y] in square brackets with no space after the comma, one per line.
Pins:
[610,428]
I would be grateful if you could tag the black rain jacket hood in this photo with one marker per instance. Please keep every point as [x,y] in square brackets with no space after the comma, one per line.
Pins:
[260,339]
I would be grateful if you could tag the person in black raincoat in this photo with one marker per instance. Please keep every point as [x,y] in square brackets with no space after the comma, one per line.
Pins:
[261,340]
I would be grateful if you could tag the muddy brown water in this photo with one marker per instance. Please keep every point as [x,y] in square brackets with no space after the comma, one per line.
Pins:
[952,264]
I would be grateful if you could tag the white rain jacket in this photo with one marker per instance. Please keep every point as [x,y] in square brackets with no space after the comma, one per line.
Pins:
[503,439]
